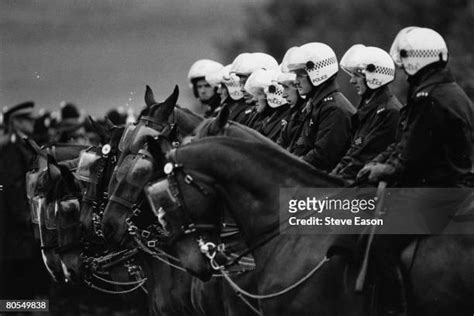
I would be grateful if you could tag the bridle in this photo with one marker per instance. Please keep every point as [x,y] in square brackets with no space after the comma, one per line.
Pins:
[171,170]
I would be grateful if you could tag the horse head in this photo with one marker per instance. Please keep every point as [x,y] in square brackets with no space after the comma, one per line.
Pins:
[134,167]
[65,196]
[173,196]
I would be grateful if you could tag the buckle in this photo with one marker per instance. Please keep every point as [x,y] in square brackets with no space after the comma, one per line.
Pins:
[151,244]
[146,234]
[188,179]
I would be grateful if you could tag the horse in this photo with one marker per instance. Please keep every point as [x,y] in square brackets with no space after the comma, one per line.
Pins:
[250,191]
[39,184]
[168,288]
[202,294]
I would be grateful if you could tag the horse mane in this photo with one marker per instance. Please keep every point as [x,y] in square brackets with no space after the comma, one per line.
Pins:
[205,130]
[270,152]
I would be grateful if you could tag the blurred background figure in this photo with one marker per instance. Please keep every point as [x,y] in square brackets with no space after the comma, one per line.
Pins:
[71,128]
[20,258]
[42,128]
[117,116]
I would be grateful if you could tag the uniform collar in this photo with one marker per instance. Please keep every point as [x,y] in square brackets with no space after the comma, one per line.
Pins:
[377,101]
[320,93]
[428,77]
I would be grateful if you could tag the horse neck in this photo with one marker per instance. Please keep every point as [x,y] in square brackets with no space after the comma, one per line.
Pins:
[252,185]
[243,132]
[186,120]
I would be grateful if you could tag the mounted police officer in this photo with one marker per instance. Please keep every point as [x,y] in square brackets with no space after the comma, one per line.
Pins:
[295,118]
[228,88]
[243,66]
[20,261]
[437,122]
[433,151]
[375,123]
[202,90]
[325,133]
[271,107]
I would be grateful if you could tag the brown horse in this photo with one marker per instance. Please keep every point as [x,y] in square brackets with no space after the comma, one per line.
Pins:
[40,181]
[250,190]
[202,294]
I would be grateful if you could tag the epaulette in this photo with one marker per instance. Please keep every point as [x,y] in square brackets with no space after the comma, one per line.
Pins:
[380,110]
[422,94]
[327,99]
[248,111]
[284,122]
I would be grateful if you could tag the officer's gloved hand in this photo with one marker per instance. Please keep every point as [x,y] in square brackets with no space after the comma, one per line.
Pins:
[364,172]
[380,171]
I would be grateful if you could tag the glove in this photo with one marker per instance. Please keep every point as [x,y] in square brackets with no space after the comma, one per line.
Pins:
[379,171]
[365,171]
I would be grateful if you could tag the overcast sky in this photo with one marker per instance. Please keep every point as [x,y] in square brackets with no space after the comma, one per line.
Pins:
[100,54]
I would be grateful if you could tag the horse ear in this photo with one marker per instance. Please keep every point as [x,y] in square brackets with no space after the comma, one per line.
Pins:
[149,97]
[170,102]
[102,131]
[69,179]
[51,160]
[223,116]
[108,124]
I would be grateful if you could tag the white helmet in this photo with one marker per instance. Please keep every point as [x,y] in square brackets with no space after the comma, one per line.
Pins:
[376,65]
[231,81]
[414,48]
[284,62]
[317,59]
[246,63]
[286,77]
[203,67]
[267,81]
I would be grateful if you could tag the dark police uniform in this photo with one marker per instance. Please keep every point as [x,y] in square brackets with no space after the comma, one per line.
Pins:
[247,116]
[326,131]
[436,131]
[434,149]
[237,110]
[22,274]
[256,119]
[271,126]
[375,126]
[292,126]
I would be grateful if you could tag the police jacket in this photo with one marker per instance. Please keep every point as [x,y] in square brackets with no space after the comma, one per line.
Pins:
[326,130]
[237,110]
[271,126]
[436,132]
[246,117]
[257,120]
[292,125]
[374,128]
[15,220]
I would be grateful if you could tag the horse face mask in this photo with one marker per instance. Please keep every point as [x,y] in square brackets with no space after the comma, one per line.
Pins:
[87,169]
[134,137]
[135,169]
[160,198]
